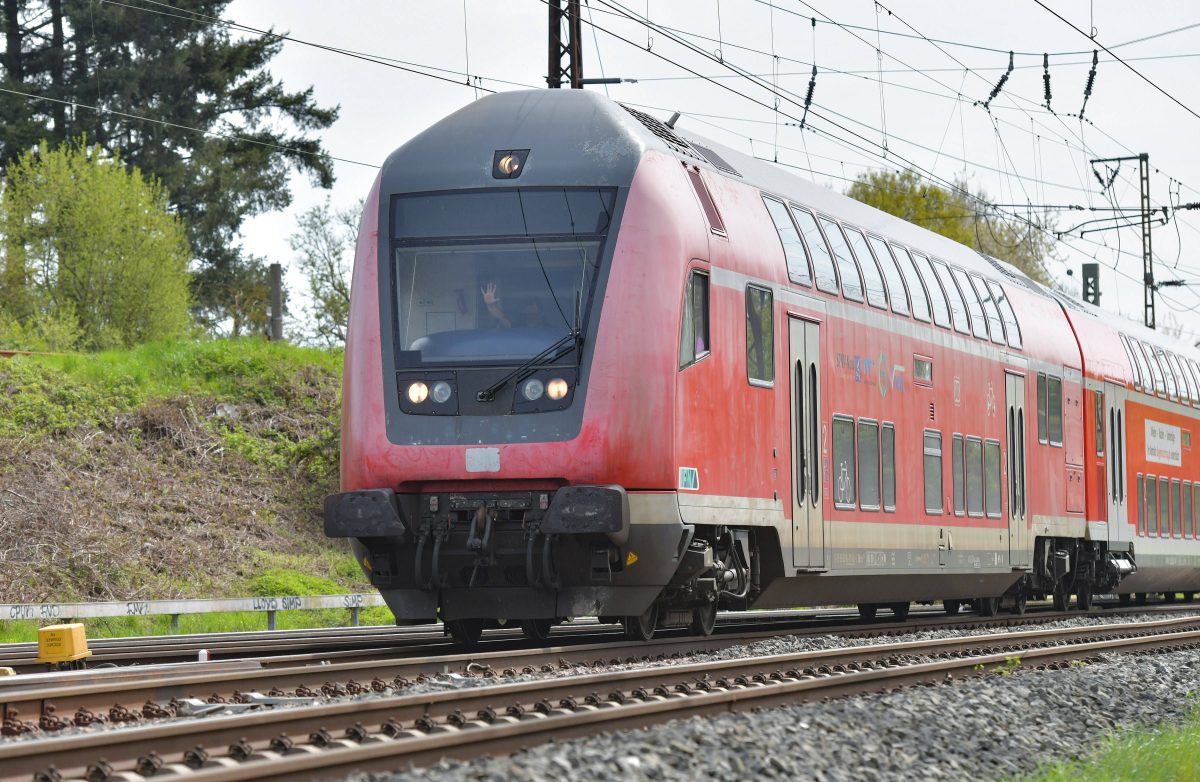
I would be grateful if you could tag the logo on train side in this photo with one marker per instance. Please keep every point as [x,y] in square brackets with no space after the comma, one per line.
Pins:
[872,370]
[689,478]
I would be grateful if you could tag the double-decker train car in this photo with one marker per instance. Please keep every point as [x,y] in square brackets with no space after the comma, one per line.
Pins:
[597,368]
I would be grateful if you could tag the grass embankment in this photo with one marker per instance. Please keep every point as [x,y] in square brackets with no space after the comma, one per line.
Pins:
[173,470]
[1168,753]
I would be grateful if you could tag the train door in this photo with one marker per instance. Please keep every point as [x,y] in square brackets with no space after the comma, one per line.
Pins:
[808,528]
[1114,420]
[1018,535]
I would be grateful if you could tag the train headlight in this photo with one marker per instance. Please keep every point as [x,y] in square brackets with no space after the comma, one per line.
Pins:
[418,392]
[441,392]
[557,388]
[532,389]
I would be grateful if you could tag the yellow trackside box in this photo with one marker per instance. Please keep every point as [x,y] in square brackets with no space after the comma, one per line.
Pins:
[62,643]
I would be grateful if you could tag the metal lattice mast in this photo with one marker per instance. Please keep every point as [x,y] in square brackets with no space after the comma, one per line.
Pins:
[565,55]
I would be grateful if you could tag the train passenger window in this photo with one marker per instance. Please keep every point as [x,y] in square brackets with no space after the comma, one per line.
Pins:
[995,326]
[1136,371]
[1151,506]
[916,289]
[1195,528]
[852,285]
[843,462]
[1176,510]
[1195,376]
[974,459]
[1141,504]
[887,453]
[1160,386]
[1186,393]
[822,258]
[932,446]
[1054,414]
[872,277]
[956,471]
[868,465]
[1164,507]
[891,273]
[793,249]
[974,308]
[1012,329]
[1168,375]
[1098,408]
[1187,509]
[937,298]
[693,336]
[1139,361]
[958,308]
[991,478]
[1041,403]
[760,336]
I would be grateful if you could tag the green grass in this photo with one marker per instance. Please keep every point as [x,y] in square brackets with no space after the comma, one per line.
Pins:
[1163,754]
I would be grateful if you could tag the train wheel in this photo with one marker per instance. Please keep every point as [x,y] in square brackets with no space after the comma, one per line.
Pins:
[1168,597]
[987,606]
[899,610]
[1019,604]
[1141,598]
[465,632]
[1084,598]
[1062,598]
[641,628]
[537,629]
[1189,597]
[952,606]
[1125,599]
[867,610]
[704,619]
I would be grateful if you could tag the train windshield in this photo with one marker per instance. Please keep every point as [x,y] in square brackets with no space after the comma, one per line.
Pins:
[494,277]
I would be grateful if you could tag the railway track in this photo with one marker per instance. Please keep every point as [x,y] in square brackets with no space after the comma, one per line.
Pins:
[323,740]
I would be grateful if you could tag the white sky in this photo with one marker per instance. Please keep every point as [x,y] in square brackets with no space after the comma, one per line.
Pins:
[382,107]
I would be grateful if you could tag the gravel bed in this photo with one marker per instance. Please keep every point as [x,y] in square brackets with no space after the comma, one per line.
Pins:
[993,727]
[762,648]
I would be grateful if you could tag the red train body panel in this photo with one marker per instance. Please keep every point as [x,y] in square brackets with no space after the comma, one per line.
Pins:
[771,395]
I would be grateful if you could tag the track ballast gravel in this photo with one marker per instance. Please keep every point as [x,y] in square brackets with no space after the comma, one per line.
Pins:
[994,727]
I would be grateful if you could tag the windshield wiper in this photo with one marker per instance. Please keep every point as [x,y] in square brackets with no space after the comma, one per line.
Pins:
[572,340]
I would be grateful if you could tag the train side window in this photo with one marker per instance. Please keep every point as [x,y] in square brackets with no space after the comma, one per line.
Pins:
[916,288]
[693,337]
[974,459]
[932,446]
[1151,506]
[1160,386]
[852,284]
[1186,392]
[974,308]
[1054,413]
[937,298]
[1172,388]
[822,258]
[1187,509]
[995,323]
[868,464]
[1098,408]
[1041,404]
[956,470]
[794,253]
[1164,507]
[1195,376]
[1195,510]
[760,336]
[872,277]
[891,272]
[991,478]
[1136,373]
[958,307]
[887,452]
[1141,504]
[1176,510]
[1139,358]
[843,462]
[1012,328]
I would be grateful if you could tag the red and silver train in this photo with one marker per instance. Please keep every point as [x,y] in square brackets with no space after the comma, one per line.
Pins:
[599,367]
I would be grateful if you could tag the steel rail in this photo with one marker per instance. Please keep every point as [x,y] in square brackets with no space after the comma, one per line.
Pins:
[556,707]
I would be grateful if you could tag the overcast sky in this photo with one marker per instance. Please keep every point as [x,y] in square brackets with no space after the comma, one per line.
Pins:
[1018,152]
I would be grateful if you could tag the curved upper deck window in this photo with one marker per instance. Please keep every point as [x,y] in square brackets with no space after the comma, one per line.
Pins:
[822,257]
[1012,328]
[958,308]
[494,277]
[995,325]
[793,249]
[891,272]
[974,308]
[872,277]
[916,288]
[852,286]
[941,310]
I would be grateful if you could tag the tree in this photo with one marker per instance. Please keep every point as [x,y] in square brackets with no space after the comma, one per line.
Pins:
[91,244]
[961,216]
[325,242]
[216,123]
